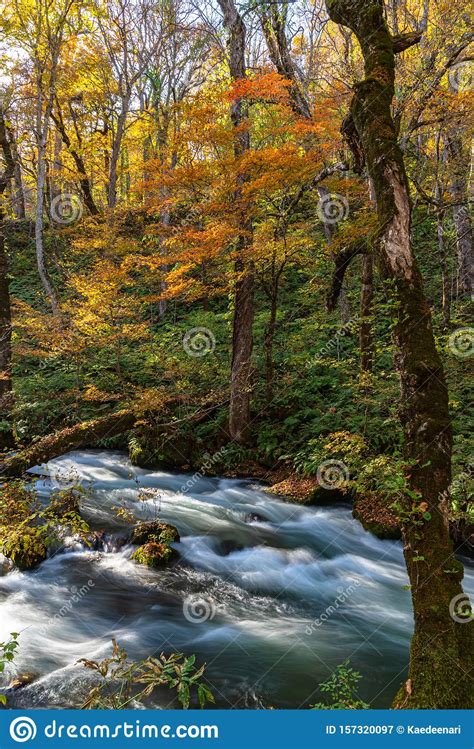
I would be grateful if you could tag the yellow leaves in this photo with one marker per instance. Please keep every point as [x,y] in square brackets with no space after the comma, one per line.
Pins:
[105,307]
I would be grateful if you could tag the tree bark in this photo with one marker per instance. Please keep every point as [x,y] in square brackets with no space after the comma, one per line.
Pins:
[84,181]
[461,216]
[441,647]
[18,193]
[115,153]
[5,307]
[80,435]
[242,334]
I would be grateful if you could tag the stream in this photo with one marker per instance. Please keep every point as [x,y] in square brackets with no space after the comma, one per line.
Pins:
[253,594]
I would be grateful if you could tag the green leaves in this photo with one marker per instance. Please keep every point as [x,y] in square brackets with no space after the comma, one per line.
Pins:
[121,680]
[7,654]
[342,689]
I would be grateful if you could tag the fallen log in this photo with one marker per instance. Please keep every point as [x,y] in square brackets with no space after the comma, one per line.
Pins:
[80,435]
[88,433]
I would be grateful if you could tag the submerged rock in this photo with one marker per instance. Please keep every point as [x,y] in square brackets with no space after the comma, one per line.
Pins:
[154,530]
[254,517]
[154,554]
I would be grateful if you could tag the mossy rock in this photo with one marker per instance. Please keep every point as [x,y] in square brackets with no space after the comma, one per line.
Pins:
[154,554]
[154,530]
[376,516]
[322,496]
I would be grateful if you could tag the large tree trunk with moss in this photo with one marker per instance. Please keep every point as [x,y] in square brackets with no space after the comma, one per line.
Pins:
[242,334]
[441,649]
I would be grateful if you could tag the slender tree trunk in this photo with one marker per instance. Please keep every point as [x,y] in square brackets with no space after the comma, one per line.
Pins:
[84,182]
[18,193]
[39,226]
[366,338]
[42,130]
[269,339]
[446,280]
[442,644]
[6,395]
[115,154]
[242,334]
[461,216]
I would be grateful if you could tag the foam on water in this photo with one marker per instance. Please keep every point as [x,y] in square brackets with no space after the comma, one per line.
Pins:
[288,592]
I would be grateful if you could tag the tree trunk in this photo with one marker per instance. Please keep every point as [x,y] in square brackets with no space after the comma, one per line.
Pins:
[366,339]
[461,216]
[269,338]
[84,181]
[444,265]
[5,308]
[442,644]
[42,130]
[18,193]
[80,435]
[115,154]
[242,335]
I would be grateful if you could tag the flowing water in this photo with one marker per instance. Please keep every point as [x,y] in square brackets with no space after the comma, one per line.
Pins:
[271,595]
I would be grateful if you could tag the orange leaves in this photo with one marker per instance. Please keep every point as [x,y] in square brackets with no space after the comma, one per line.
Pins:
[271,87]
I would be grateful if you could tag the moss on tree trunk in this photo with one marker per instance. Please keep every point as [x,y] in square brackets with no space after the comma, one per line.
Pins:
[442,645]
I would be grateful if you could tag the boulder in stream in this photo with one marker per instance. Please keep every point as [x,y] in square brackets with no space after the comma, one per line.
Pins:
[154,530]
[154,554]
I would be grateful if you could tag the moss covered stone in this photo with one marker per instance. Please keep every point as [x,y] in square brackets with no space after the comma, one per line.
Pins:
[154,530]
[154,554]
